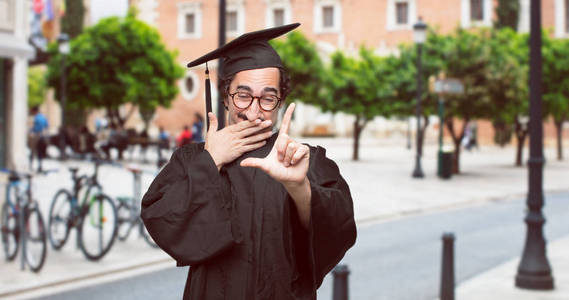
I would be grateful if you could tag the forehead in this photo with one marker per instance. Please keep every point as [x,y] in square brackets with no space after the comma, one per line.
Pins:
[257,78]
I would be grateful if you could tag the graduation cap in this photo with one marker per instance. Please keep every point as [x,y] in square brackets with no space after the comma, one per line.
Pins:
[249,51]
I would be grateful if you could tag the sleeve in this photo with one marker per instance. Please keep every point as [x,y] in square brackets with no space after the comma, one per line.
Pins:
[184,209]
[332,228]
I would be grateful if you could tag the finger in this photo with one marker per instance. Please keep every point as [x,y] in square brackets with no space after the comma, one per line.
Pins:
[257,137]
[212,122]
[300,153]
[286,119]
[290,150]
[281,144]
[252,147]
[246,124]
[254,162]
[255,129]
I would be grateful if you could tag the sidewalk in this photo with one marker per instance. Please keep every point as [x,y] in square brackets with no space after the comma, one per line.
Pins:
[382,189]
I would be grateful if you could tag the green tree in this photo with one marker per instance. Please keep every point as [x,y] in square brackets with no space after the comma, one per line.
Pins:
[37,86]
[466,58]
[507,14]
[72,21]
[304,66]
[556,85]
[117,61]
[507,84]
[405,77]
[360,87]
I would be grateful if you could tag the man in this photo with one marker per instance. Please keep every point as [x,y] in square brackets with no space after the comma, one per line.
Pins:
[37,138]
[255,214]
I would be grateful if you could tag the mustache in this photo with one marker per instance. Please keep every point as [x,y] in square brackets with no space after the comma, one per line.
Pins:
[243,117]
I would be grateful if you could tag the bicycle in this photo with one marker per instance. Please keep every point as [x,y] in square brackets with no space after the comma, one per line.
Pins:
[87,209]
[30,223]
[129,211]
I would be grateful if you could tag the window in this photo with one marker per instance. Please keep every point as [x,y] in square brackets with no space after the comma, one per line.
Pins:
[234,18]
[476,13]
[189,20]
[231,21]
[476,10]
[189,85]
[327,16]
[278,17]
[401,14]
[402,9]
[190,23]
[277,13]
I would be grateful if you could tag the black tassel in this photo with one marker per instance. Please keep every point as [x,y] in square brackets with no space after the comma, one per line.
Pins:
[207,95]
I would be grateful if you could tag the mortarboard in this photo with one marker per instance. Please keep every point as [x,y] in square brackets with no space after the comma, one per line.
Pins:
[249,51]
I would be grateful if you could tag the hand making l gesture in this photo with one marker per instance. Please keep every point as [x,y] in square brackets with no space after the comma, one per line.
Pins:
[288,160]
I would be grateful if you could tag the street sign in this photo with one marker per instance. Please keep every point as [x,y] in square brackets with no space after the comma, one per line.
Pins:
[448,86]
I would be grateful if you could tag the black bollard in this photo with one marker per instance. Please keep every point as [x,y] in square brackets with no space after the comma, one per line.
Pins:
[340,273]
[447,270]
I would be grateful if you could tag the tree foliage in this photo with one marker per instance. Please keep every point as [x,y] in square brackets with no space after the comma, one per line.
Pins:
[556,84]
[304,66]
[37,86]
[117,61]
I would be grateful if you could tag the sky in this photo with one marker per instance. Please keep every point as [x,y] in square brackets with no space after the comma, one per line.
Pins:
[106,8]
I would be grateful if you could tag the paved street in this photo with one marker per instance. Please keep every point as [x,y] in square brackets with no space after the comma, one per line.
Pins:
[390,257]
[385,197]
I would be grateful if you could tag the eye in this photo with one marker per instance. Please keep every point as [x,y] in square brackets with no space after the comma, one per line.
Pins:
[242,95]
[269,98]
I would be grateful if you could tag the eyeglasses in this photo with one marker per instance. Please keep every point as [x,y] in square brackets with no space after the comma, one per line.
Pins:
[243,100]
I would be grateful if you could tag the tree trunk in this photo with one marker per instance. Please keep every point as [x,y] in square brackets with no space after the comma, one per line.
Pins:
[559,131]
[457,139]
[357,131]
[521,134]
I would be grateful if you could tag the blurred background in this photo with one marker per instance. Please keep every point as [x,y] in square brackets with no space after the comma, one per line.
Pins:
[444,116]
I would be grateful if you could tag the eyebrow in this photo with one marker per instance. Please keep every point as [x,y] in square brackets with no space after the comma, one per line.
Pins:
[267,89]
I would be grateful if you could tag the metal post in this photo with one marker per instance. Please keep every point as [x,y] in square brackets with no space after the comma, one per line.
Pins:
[441,125]
[220,106]
[418,172]
[62,102]
[408,132]
[447,269]
[534,271]
[340,273]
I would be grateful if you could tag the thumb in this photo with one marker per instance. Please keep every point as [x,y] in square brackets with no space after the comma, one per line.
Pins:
[212,122]
[253,162]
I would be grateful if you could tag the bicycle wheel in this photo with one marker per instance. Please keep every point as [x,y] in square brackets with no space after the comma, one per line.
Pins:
[98,227]
[146,235]
[124,221]
[10,232]
[59,222]
[35,240]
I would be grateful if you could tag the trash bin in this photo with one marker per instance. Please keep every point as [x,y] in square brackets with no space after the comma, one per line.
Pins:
[445,159]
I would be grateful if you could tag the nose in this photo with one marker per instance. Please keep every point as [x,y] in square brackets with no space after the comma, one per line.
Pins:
[254,111]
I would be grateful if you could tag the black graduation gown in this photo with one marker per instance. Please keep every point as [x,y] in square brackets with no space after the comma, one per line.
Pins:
[239,230]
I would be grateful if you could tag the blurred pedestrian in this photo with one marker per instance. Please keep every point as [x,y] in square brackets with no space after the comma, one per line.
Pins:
[185,137]
[470,135]
[37,140]
[197,129]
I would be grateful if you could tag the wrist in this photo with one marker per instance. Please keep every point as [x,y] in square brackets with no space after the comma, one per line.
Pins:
[218,163]
[297,185]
